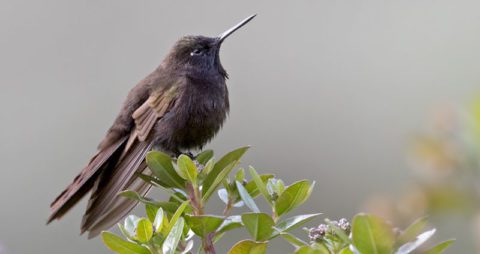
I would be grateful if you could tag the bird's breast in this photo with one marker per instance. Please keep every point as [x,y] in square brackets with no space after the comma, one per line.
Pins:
[197,117]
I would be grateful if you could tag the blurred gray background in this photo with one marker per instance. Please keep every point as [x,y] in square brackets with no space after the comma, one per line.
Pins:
[325,90]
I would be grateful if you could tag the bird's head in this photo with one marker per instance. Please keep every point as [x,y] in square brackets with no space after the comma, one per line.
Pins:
[199,55]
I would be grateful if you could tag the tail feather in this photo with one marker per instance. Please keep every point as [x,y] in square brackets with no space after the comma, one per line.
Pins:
[84,181]
[104,199]
[121,208]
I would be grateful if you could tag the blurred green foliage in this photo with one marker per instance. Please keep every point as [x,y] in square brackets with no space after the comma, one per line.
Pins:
[445,162]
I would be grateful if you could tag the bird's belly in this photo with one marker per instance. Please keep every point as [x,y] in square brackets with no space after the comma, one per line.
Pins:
[198,130]
[191,127]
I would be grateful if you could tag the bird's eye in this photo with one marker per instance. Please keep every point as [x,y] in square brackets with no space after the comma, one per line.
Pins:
[196,52]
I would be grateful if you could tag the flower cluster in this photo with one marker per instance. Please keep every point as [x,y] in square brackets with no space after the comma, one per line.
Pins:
[318,233]
[344,225]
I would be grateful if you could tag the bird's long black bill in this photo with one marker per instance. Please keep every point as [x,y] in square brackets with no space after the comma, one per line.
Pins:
[227,33]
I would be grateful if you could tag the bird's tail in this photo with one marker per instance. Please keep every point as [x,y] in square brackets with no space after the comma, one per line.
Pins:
[84,181]
[105,207]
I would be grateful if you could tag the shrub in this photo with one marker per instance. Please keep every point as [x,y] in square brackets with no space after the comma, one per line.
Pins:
[171,226]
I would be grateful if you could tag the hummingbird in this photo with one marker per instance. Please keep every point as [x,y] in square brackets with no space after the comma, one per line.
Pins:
[180,106]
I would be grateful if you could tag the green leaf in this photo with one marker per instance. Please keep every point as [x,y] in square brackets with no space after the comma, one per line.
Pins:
[187,169]
[229,159]
[152,180]
[260,183]
[412,231]
[275,186]
[161,166]
[125,232]
[248,247]
[295,222]
[144,230]
[118,245]
[188,248]
[259,225]
[130,226]
[135,196]
[177,195]
[169,207]
[295,195]
[158,220]
[247,199]
[202,225]
[151,211]
[208,168]
[420,239]
[223,195]
[171,241]
[279,186]
[252,188]
[346,250]
[204,156]
[240,175]
[371,234]
[312,250]
[230,223]
[177,215]
[293,240]
[218,180]
[439,248]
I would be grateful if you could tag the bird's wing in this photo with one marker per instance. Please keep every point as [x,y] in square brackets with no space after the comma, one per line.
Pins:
[109,151]
[105,208]
[154,108]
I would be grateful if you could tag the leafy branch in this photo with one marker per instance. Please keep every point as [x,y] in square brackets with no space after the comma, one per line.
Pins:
[171,226]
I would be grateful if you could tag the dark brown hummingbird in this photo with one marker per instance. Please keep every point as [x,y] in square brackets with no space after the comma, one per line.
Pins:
[180,106]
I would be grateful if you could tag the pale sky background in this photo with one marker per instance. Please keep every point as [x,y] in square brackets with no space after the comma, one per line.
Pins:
[325,90]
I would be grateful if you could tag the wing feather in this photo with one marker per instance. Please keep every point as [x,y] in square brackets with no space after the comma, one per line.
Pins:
[121,208]
[105,207]
[111,183]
